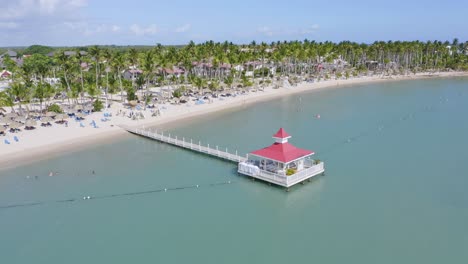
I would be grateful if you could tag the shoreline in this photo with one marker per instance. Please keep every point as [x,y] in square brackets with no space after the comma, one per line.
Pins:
[47,143]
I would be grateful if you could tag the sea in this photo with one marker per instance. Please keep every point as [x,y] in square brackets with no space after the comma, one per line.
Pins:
[394,191]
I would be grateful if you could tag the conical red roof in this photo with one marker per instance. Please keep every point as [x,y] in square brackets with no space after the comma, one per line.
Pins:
[282,152]
[281,134]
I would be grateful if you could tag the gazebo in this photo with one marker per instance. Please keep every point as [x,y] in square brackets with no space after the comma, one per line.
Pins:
[281,163]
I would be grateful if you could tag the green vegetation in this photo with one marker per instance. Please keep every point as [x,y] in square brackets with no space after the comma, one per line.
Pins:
[290,172]
[98,105]
[54,108]
[37,49]
[99,72]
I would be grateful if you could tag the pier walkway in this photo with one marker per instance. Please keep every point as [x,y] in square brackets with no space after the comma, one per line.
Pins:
[187,144]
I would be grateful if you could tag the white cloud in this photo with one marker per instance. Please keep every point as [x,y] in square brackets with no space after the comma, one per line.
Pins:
[265,30]
[309,30]
[8,25]
[269,32]
[21,9]
[115,28]
[89,29]
[183,28]
[142,31]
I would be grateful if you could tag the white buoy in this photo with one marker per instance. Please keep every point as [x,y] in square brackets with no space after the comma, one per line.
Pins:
[197,185]
[165,189]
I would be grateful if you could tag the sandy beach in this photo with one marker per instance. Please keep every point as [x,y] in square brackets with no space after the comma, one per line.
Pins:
[44,143]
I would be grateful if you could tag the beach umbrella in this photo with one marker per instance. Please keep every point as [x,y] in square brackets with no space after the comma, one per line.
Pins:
[30,123]
[51,114]
[133,103]
[5,120]
[78,107]
[11,115]
[20,119]
[15,125]
[71,110]
[61,117]
[2,129]
[80,115]
[46,119]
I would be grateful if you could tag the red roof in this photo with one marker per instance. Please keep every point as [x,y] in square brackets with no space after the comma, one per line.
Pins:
[281,134]
[282,152]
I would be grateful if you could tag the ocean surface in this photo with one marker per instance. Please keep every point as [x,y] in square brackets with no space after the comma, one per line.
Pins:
[395,189]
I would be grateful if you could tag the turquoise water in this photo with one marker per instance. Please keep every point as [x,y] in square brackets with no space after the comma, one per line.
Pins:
[394,190]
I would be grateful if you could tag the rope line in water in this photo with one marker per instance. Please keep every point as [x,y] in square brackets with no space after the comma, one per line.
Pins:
[385,125]
[198,186]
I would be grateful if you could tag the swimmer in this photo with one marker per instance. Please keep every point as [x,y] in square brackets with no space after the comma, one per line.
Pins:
[51,174]
[93,172]
[317,116]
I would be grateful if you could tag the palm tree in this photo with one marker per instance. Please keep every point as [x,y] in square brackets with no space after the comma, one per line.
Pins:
[119,64]
[107,55]
[95,53]
[148,68]
[20,92]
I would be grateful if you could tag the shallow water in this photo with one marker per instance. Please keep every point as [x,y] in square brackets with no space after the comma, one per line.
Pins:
[394,190]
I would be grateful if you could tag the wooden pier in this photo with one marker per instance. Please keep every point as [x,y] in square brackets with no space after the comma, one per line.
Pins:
[187,144]
[264,168]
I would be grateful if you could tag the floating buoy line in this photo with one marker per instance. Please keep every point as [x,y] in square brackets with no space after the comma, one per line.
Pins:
[392,123]
[117,195]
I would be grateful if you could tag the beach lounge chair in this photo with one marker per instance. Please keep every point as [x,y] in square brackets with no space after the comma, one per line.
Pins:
[7,142]
[81,124]
[16,138]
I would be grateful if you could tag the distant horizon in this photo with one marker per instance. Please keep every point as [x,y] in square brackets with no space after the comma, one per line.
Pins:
[243,43]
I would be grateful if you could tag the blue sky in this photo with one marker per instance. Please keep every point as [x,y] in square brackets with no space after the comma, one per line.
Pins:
[86,22]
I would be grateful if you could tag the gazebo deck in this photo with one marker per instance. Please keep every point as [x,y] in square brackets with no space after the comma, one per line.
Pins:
[249,169]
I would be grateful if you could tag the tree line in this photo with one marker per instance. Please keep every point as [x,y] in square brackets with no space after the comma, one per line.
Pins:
[215,66]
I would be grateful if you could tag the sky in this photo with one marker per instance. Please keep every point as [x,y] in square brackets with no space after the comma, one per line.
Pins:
[146,22]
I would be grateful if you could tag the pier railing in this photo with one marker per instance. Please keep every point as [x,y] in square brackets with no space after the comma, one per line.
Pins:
[187,144]
[285,180]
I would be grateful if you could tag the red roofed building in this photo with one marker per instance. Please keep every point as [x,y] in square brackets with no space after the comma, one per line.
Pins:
[281,163]
[281,150]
